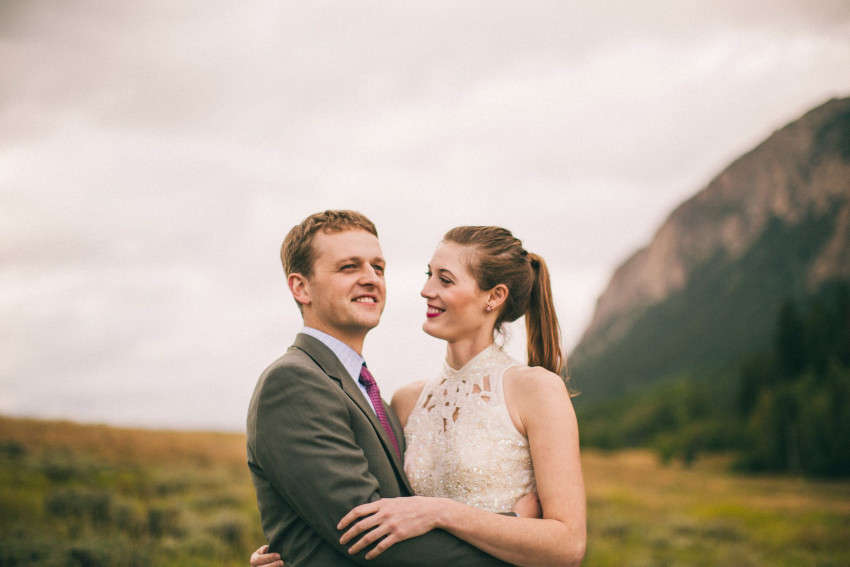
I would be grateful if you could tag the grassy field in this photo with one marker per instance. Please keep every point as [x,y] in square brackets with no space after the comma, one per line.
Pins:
[88,495]
[643,514]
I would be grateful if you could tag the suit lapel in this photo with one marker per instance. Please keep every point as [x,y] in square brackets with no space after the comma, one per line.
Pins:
[330,364]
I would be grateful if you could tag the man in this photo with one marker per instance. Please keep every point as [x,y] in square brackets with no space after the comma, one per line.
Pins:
[320,439]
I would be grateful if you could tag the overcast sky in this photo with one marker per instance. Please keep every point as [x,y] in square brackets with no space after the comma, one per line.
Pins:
[154,154]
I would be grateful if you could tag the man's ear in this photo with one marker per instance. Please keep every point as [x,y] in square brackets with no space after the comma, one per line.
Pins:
[497,296]
[299,286]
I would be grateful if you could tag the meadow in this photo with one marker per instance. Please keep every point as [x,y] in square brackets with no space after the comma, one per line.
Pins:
[88,495]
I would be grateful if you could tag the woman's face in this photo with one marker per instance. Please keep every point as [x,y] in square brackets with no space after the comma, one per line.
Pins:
[456,307]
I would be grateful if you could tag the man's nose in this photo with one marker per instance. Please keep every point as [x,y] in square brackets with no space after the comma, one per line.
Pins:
[370,276]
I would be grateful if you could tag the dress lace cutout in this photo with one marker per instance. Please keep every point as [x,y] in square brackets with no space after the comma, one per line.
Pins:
[461,441]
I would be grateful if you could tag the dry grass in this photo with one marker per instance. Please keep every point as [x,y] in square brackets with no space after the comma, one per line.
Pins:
[90,495]
[641,513]
[120,445]
[184,498]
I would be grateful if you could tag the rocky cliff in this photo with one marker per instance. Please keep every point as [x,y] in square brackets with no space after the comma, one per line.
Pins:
[791,194]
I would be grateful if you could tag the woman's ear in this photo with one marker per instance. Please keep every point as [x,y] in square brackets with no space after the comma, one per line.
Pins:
[497,296]
[299,287]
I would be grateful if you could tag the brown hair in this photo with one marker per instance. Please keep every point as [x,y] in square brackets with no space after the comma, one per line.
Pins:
[499,258]
[297,254]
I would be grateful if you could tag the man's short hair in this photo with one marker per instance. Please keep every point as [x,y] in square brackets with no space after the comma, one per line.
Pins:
[297,253]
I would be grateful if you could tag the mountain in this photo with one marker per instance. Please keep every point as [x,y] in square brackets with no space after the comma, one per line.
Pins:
[773,226]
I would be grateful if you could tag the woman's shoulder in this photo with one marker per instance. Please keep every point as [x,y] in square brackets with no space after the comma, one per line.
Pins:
[534,377]
[405,398]
[529,391]
[531,384]
[411,390]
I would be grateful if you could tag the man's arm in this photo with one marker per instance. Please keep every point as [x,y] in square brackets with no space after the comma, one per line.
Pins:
[308,450]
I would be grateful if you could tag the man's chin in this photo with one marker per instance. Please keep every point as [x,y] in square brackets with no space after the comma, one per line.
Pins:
[368,323]
[372,318]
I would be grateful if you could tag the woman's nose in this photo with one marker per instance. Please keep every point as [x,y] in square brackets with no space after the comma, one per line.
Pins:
[427,292]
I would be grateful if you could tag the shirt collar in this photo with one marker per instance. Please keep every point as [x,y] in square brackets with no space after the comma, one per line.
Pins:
[351,361]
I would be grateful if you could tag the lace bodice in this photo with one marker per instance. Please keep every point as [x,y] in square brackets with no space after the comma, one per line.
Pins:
[461,442]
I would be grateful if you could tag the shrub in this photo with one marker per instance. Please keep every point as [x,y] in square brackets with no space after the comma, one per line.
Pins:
[12,450]
[231,529]
[94,506]
[163,521]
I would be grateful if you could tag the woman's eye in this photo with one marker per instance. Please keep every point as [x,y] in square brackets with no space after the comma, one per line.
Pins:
[446,281]
[428,273]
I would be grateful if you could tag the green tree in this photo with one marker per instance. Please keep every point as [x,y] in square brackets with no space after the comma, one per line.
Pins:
[795,398]
[790,341]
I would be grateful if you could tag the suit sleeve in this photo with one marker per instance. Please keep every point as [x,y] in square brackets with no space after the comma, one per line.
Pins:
[308,451]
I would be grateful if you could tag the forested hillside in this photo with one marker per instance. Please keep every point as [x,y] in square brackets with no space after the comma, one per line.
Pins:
[662,358]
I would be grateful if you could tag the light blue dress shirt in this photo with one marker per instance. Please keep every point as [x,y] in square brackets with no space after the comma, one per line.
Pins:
[350,360]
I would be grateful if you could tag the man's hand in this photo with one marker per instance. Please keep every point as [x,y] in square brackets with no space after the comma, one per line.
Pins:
[389,520]
[260,558]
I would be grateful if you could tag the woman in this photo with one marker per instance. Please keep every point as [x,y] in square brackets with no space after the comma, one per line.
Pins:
[473,433]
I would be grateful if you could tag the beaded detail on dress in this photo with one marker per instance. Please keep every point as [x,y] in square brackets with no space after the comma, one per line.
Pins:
[461,441]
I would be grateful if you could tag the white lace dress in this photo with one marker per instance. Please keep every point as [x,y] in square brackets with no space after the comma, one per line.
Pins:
[461,442]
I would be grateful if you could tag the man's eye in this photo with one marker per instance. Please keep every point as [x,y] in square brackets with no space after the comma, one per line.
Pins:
[349,267]
[378,269]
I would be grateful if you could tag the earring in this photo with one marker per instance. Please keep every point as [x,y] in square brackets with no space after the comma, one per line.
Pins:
[488,308]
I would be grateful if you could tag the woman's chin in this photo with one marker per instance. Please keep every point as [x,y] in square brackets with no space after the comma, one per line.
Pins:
[430,329]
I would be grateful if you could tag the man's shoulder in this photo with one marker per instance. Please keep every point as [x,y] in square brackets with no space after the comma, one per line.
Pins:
[306,352]
[295,364]
[293,356]
[293,381]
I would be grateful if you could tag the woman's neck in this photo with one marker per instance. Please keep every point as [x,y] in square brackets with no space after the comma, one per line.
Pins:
[458,353]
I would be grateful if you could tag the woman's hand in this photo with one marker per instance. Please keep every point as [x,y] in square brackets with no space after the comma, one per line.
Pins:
[393,519]
[528,506]
[260,558]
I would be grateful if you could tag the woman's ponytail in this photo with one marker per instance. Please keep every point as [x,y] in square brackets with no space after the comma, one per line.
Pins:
[541,321]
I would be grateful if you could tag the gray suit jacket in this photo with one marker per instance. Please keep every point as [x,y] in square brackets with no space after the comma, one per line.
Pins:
[316,450]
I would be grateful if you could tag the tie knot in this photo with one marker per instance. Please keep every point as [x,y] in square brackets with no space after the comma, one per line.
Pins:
[365,376]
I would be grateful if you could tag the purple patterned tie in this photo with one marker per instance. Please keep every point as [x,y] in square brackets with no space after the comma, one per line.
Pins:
[375,395]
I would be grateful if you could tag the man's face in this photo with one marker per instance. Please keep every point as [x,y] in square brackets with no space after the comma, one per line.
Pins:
[346,291]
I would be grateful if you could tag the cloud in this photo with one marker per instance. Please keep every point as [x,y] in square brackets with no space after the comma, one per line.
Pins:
[153,155]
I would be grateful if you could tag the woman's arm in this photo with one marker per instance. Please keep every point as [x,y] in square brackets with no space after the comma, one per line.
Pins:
[539,400]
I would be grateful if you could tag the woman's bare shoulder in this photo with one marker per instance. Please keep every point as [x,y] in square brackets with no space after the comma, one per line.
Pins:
[534,378]
[405,398]
[531,391]
[532,385]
